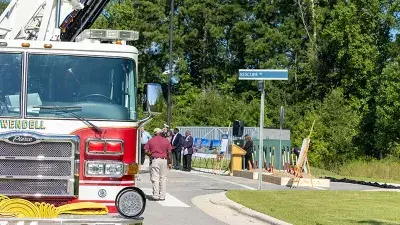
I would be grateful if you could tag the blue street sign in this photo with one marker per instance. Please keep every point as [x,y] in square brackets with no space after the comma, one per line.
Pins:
[259,74]
[262,75]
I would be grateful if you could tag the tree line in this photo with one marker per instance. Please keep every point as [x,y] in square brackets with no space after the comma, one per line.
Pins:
[342,56]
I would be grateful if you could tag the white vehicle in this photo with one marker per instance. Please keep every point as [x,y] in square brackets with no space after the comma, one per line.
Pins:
[68,111]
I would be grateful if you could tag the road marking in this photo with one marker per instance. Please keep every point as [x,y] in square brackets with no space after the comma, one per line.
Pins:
[170,201]
[197,173]
[227,181]
[320,188]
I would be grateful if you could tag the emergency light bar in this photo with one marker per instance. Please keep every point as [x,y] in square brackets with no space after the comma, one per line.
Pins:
[100,34]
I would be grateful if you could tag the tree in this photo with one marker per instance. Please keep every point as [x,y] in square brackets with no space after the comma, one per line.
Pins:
[340,55]
[388,110]
[3,5]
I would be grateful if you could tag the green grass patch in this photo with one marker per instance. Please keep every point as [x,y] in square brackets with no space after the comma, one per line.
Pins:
[386,171]
[321,173]
[324,207]
[208,163]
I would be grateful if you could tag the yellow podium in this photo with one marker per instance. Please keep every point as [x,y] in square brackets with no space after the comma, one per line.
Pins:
[237,157]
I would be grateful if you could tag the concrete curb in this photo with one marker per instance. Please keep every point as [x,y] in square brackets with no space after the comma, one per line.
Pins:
[221,199]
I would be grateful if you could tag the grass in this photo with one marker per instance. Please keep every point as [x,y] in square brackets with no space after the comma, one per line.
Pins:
[382,169]
[316,172]
[324,207]
[208,163]
[385,171]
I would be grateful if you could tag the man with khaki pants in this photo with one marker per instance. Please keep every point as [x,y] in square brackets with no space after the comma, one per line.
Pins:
[159,150]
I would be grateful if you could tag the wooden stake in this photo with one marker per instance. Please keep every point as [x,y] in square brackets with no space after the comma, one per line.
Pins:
[292,159]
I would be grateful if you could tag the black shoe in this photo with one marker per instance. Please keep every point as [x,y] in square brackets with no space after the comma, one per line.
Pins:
[161,199]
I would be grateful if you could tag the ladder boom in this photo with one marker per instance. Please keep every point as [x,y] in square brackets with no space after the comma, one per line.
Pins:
[48,19]
[79,20]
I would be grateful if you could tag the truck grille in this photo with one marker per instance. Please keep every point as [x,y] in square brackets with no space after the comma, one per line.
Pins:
[46,149]
[32,187]
[49,168]
[45,167]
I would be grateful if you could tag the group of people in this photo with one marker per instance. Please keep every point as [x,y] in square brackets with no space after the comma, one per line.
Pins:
[166,149]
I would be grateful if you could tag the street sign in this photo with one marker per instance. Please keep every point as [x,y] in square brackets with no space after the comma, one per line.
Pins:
[259,74]
[262,76]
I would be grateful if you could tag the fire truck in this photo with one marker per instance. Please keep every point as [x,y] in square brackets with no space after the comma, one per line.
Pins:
[69,123]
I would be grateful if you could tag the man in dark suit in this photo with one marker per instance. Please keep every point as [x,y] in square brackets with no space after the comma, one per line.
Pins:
[187,152]
[176,142]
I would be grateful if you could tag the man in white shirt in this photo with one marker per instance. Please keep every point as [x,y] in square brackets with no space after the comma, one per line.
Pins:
[144,138]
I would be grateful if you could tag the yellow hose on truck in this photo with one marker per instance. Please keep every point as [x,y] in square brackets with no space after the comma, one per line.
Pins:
[22,208]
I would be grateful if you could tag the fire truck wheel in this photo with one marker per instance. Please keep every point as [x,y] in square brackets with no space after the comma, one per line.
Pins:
[130,202]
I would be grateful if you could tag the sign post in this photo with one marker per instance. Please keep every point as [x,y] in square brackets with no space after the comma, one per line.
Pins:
[262,75]
[281,117]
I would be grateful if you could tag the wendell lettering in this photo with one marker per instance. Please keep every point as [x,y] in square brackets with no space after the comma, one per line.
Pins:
[22,124]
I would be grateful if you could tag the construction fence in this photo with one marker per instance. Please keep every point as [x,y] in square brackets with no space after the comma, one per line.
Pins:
[276,146]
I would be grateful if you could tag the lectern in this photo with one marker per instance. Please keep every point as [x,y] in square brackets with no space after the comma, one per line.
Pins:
[237,157]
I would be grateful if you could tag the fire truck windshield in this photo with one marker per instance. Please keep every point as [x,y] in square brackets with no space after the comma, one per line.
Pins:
[102,87]
[10,83]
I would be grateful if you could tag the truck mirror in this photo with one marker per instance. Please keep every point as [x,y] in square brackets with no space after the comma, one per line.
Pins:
[153,101]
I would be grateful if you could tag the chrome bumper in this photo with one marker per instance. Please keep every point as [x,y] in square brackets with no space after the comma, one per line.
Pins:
[111,219]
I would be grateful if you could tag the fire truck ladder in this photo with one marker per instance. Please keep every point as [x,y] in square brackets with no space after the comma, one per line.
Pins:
[41,19]
[79,20]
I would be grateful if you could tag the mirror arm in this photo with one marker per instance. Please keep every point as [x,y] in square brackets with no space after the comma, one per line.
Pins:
[145,120]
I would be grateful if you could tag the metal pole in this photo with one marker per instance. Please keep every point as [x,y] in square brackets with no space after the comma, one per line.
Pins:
[58,13]
[260,150]
[280,136]
[280,148]
[171,27]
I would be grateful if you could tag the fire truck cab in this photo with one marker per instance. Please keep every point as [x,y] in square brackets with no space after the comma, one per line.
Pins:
[69,126]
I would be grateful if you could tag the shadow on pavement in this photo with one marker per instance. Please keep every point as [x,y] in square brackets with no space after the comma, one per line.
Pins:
[214,189]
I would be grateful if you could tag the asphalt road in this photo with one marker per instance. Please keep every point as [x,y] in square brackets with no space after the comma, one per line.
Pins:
[178,209]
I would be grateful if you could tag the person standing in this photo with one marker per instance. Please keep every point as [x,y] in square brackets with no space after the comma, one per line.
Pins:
[159,150]
[165,130]
[187,152]
[248,147]
[144,138]
[176,148]
[168,136]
